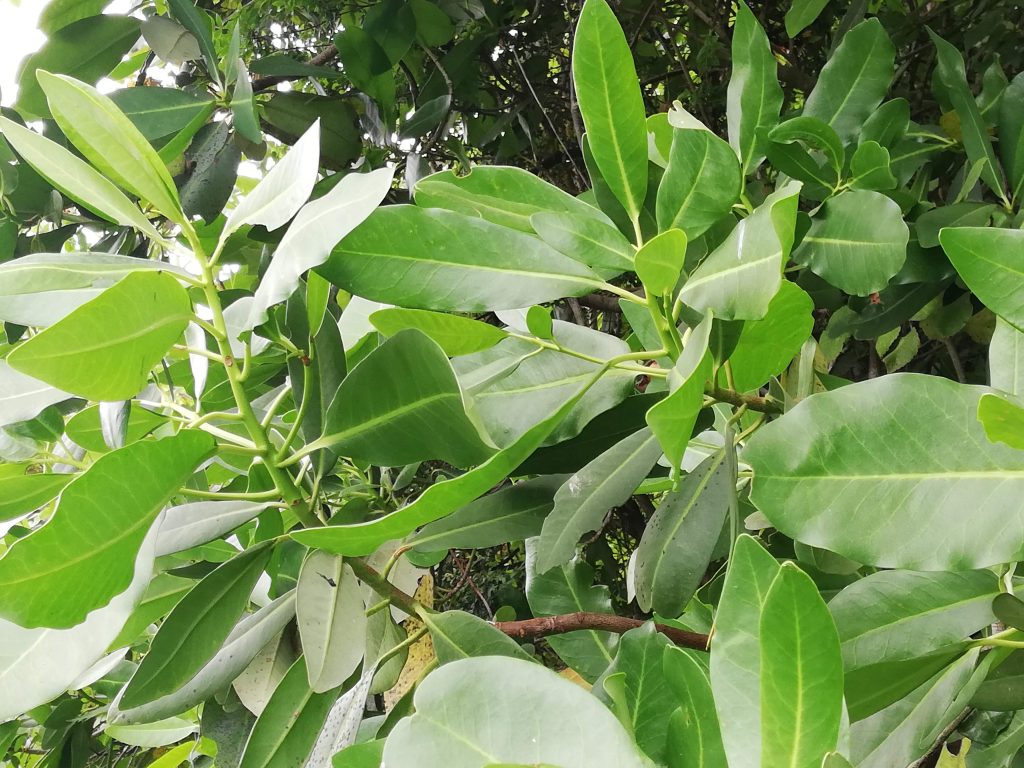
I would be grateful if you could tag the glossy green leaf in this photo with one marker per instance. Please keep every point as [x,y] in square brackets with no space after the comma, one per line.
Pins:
[170,41]
[156,734]
[159,112]
[738,280]
[105,349]
[568,589]
[680,538]
[1011,135]
[456,335]
[1006,358]
[37,665]
[611,103]
[672,419]
[1003,421]
[887,124]
[76,178]
[317,228]
[735,652]
[988,260]
[538,322]
[86,552]
[190,525]
[530,716]
[840,248]
[897,615]
[766,346]
[801,14]
[21,494]
[85,427]
[870,167]
[659,262]
[332,620]
[694,738]
[460,635]
[700,185]
[442,498]
[511,514]
[401,405]
[876,494]
[813,132]
[801,674]
[502,195]
[162,594]
[754,95]
[973,131]
[196,22]
[648,701]
[872,688]
[854,81]
[243,106]
[109,140]
[22,397]
[586,239]
[287,729]
[196,628]
[59,13]
[426,118]
[588,495]
[436,259]
[87,49]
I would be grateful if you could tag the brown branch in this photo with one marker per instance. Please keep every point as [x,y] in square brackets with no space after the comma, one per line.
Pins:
[326,55]
[601,301]
[529,629]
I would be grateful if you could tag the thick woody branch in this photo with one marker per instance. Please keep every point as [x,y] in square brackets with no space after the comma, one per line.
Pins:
[753,402]
[529,629]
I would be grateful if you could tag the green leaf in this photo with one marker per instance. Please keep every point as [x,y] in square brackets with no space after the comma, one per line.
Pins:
[973,131]
[87,551]
[501,195]
[738,280]
[190,525]
[294,113]
[801,14]
[1011,135]
[21,494]
[588,495]
[248,637]
[37,665]
[170,41]
[243,106]
[317,228]
[887,124]
[903,731]
[586,239]
[568,589]
[437,259]
[513,385]
[648,701]
[162,594]
[1003,421]
[848,471]
[988,260]
[214,156]
[673,418]
[659,262]
[801,674]
[42,288]
[105,349]
[735,653]
[538,322]
[455,335]
[76,179]
[872,688]
[442,498]
[870,167]
[1006,358]
[511,514]
[86,430]
[1009,610]
[86,49]
[700,185]
[159,112]
[332,620]
[754,95]
[897,615]
[767,346]
[157,734]
[196,22]
[611,104]
[854,81]
[400,405]
[59,13]
[460,635]
[22,397]
[196,628]
[109,140]
[694,739]
[426,118]
[288,727]
[930,223]
[816,134]
[462,724]
[680,537]
[853,257]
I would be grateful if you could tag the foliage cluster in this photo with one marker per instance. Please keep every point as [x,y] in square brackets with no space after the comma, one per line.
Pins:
[721,400]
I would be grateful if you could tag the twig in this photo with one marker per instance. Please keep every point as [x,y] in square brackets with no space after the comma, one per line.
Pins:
[954,358]
[753,402]
[326,55]
[529,629]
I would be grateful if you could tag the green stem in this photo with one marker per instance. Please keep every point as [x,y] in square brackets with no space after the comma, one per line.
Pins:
[307,383]
[219,496]
[383,587]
